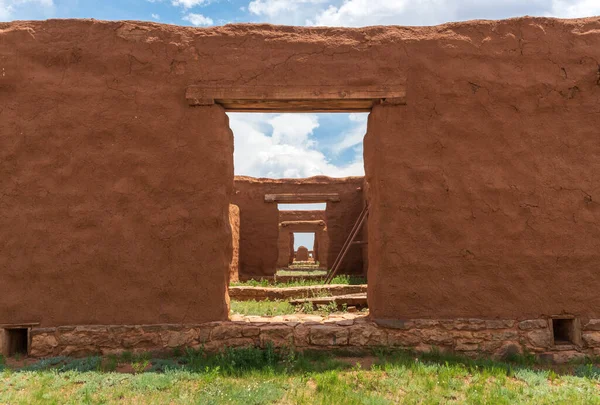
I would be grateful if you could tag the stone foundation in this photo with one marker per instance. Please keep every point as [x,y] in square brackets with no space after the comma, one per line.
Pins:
[472,337]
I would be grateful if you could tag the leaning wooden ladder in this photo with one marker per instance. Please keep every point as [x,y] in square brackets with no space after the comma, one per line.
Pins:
[340,258]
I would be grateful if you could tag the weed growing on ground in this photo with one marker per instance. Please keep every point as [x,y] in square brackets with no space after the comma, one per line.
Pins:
[589,371]
[281,307]
[140,366]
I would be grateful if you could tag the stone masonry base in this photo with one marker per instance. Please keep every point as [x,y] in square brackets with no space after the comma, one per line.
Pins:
[473,337]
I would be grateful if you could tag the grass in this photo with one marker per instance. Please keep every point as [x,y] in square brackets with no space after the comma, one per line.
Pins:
[255,376]
[343,279]
[262,308]
[280,307]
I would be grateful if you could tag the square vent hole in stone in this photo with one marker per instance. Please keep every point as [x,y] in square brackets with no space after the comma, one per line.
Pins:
[564,331]
[17,341]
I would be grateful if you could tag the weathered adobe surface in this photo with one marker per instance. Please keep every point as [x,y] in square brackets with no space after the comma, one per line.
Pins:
[234,221]
[484,188]
[285,216]
[472,337]
[268,293]
[259,221]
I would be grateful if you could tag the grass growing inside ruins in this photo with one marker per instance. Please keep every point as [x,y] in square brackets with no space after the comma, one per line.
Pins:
[265,376]
[343,279]
[262,308]
[280,307]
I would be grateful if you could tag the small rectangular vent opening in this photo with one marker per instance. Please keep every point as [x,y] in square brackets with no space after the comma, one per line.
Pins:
[17,341]
[563,331]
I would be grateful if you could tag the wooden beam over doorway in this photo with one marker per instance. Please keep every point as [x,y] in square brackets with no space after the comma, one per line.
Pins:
[277,98]
[302,198]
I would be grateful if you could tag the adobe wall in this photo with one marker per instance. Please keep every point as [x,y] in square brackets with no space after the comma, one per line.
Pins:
[485,186]
[286,241]
[302,215]
[234,221]
[114,192]
[259,221]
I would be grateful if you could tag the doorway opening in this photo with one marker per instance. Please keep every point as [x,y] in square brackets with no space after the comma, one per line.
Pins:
[283,158]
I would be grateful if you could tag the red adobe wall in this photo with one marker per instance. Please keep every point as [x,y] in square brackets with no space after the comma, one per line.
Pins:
[286,241]
[114,193]
[485,185]
[259,221]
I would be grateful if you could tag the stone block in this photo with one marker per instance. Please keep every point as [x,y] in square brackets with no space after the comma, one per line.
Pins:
[565,356]
[133,340]
[220,345]
[43,345]
[251,331]
[540,338]
[508,350]
[425,323]
[533,324]
[466,345]
[591,339]
[394,323]
[436,336]
[499,324]
[173,339]
[489,346]
[592,324]
[403,338]
[279,335]
[497,335]
[226,331]
[302,335]
[367,335]
[325,335]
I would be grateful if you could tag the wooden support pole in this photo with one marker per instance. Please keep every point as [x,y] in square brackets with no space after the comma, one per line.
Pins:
[357,227]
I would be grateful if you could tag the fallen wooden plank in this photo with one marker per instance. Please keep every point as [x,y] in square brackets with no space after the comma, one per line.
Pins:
[303,198]
[359,299]
[240,293]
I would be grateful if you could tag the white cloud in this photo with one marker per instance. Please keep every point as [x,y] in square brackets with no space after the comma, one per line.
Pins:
[156,16]
[282,146]
[574,9]
[187,4]
[9,7]
[198,19]
[355,135]
[411,12]
[286,11]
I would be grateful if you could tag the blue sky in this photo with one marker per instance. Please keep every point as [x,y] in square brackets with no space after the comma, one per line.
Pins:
[296,145]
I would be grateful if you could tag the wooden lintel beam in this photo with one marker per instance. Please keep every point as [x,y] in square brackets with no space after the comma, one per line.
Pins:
[296,98]
[317,223]
[302,198]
